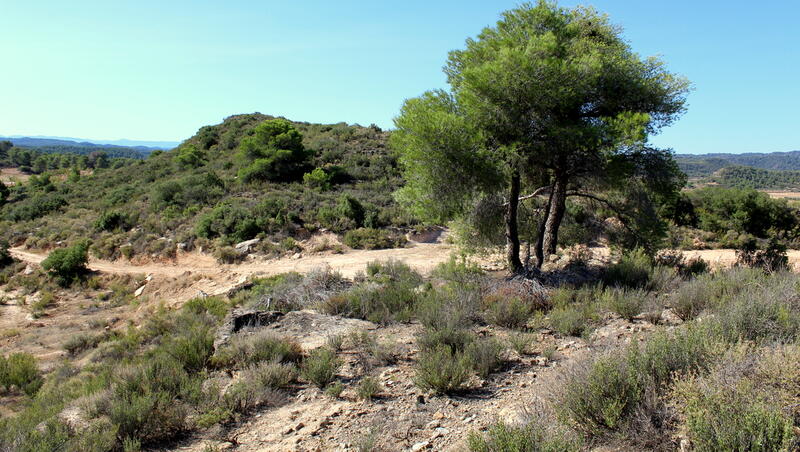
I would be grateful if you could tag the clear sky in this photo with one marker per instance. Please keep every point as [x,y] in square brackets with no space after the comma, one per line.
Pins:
[159,70]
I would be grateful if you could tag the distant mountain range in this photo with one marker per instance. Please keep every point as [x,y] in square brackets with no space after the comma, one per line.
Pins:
[704,165]
[39,141]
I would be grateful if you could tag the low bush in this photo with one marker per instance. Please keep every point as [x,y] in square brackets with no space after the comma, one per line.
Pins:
[632,270]
[626,303]
[771,258]
[19,370]
[484,355]
[68,264]
[372,239]
[442,370]
[368,388]
[573,319]
[80,343]
[740,404]
[603,396]
[502,437]
[508,312]
[271,374]
[229,255]
[320,367]
[763,313]
[244,349]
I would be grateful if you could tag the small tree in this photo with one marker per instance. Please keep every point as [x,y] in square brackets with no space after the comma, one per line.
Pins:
[550,99]
[190,157]
[68,264]
[274,152]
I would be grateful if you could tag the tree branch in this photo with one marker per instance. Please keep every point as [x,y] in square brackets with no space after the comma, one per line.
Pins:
[535,193]
[607,203]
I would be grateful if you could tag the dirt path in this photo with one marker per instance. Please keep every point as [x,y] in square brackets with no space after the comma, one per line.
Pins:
[727,257]
[214,278]
[421,256]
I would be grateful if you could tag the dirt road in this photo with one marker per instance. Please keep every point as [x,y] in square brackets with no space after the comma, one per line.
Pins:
[421,256]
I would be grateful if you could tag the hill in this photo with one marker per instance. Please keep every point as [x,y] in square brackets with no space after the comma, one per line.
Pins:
[703,165]
[152,206]
[34,141]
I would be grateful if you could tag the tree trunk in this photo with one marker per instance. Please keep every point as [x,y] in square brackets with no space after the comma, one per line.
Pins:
[539,248]
[512,234]
[558,204]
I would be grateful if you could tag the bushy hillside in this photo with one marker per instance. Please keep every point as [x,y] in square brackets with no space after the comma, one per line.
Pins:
[705,164]
[215,189]
[749,177]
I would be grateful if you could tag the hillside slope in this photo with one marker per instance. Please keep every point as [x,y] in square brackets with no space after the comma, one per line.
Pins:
[150,208]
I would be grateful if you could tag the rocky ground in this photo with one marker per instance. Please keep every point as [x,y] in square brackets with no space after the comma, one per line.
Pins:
[403,417]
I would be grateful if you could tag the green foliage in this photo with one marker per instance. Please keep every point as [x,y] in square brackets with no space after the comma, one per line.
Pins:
[484,355]
[603,396]
[190,157]
[389,294]
[35,206]
[368,388]
[501,437]
[573,319]
[508,312]
[626,303]
[320,367]
[318,178]
[742,210]
[724,419]
[235,222]
[632,270]
[487,134]
[19,370]
[262,346]
[275,152]
[442,370]
[68,264]
[112,221]
[373,239]
[771,258]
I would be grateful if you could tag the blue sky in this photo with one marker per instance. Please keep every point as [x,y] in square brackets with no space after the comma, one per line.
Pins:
[158,70]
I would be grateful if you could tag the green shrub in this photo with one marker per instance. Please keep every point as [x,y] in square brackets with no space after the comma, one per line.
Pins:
[520,342]
[765,313]
[20,370]
[501,437]
[320,367]
[335,389]
[275,151]
[81,342]
[725,416]
[632,270]
[318,179]
[626,303]
[484,355]
[454,337]
[603,396]
[68,264]
[246,349]
[508,312]
[443,371]
[373,239]
[271,374]
[377,302]
[573,319]
[111,221]
[771,258]
[368,388]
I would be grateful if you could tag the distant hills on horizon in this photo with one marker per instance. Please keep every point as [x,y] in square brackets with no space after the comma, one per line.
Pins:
[41,140]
